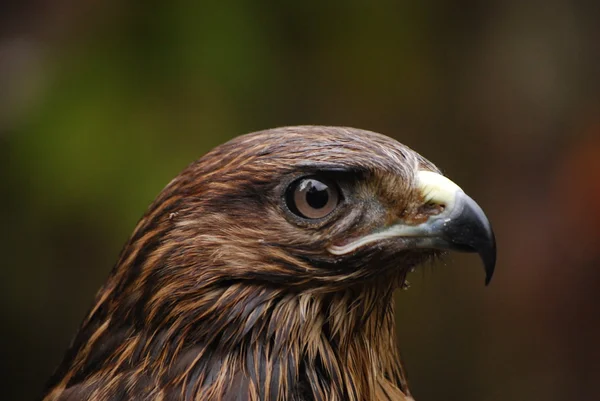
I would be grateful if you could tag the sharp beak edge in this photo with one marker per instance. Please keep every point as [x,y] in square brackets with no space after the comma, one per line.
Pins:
[467,229]
[462,226]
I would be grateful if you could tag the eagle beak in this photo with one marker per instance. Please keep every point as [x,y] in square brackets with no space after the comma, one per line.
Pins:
[461,226]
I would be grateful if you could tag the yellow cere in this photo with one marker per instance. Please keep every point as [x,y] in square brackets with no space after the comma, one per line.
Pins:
[437,189]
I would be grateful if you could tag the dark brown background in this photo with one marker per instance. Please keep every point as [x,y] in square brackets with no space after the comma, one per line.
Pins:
[102,102]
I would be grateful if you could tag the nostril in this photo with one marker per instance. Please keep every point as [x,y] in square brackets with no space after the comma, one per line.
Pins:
[422,213]
[432,209]
[433,205]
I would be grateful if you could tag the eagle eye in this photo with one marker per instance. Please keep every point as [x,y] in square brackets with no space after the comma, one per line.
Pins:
[312,197]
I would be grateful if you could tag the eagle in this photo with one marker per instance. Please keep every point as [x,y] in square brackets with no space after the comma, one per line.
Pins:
[266,271]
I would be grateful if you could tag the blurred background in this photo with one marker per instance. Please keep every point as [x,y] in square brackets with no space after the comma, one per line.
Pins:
[102,102]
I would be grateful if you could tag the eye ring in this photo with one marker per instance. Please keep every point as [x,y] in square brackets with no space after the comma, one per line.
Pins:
[312,197]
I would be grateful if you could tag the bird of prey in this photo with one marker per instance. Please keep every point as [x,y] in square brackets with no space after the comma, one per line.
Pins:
[265,271]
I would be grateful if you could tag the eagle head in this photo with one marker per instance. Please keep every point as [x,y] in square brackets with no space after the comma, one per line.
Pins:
[265,271]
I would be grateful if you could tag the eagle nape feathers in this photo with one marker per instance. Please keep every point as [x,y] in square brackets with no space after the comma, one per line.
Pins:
[265,271]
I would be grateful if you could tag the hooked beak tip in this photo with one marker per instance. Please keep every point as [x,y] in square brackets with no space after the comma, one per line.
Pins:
[489,263]
[468,229]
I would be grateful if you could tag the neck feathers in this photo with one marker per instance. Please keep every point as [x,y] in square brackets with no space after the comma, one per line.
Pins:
[183,332]
[242,342]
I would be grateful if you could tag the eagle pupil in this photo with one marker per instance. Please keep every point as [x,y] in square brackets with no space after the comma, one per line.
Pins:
[317,195]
